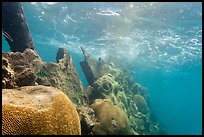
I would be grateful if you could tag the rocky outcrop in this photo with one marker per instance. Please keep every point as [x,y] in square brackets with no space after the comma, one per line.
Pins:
[29,70]
[64,76]
[15,28]
[62,54]
[87,119]
[38,110]
[88,67]
[20,61]
[25,78]
[7,75]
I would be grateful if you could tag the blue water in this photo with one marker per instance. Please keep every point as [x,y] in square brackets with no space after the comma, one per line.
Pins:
[161,43]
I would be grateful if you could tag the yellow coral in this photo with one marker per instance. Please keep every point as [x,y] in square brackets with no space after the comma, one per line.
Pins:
[111,119]
[41,110]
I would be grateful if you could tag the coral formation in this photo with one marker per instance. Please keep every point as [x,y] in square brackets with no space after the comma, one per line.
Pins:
[38,110]
[141,103]
[122,98]
[104,85]
[63,75]
[93,70]
[110,82]
[137,89]
[111,120]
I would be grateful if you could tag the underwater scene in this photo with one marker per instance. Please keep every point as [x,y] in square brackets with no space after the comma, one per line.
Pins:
[102,68]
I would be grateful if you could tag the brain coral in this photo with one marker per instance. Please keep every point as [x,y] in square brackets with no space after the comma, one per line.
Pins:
[41,110]
[111,119]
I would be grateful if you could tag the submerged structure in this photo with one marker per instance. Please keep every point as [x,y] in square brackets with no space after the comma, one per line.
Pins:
[48,98]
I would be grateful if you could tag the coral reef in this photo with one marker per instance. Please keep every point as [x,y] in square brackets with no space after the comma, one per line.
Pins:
[111,120]
[110,82]
[111,104]
[38,110]
[60,54]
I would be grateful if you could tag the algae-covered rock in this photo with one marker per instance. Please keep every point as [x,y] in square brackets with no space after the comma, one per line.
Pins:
[29,70]
[7,74]
[25,78]
[35,110]
[21,61]
[21,67]
[94,69]
[141,103]
[111,120]
[63,75]
[105,87]
[87,119]
[104,84]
